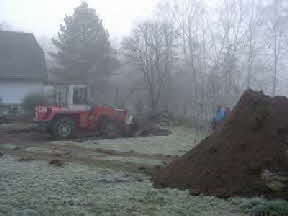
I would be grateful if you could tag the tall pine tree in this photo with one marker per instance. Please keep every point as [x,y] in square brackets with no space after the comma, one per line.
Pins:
[84,51]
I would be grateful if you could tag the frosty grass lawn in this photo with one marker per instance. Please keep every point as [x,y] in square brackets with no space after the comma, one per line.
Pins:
[35,188]
[181,141]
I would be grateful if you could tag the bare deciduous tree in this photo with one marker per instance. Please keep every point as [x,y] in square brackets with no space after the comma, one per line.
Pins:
[149,48]
[276,25]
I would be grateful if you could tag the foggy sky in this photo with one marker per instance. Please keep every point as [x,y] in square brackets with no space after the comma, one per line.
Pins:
[43,17]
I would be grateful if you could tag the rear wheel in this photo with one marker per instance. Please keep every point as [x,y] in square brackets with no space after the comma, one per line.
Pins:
[63,127]
[110,129]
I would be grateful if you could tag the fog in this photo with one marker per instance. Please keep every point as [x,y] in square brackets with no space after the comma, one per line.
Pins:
[184,56]
[43,17]
[106,104]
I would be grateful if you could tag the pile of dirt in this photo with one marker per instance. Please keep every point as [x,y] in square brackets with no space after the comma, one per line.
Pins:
[231,161]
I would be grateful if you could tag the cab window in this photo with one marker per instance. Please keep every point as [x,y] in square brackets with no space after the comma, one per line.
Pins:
[80,96]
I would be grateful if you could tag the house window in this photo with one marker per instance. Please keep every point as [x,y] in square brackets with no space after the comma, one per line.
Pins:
[80,96]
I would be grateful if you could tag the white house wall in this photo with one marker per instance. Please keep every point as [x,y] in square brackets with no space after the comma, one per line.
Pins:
[14,92]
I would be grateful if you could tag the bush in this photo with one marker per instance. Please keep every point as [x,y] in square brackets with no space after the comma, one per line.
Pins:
[33,100]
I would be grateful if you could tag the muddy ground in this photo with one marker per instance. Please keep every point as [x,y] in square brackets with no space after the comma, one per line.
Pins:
[26,143]
[92,176]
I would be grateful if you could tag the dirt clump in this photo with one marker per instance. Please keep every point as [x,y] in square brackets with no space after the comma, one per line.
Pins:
[58,163]
[230,162]
[26,159]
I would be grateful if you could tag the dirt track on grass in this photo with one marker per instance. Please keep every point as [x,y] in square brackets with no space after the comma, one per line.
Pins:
[28,144]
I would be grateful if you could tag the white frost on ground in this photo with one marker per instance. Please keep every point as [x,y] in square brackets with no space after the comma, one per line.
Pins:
[36,188]
[43,150]
[134,160]
[181,141]
[15,126]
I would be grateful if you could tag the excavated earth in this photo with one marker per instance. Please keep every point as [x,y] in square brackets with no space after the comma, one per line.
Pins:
[230,161]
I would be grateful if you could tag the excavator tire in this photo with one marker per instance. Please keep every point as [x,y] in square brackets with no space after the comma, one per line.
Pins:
[63,127]
[111,129]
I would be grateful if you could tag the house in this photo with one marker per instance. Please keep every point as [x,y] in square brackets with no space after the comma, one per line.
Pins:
[22,67]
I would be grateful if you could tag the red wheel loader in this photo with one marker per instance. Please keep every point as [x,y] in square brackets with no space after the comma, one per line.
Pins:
[71,114]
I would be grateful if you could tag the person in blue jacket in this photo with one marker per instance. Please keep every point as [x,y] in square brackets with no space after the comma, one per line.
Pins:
[219,117]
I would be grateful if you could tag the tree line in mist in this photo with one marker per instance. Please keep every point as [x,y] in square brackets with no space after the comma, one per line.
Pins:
[187,58]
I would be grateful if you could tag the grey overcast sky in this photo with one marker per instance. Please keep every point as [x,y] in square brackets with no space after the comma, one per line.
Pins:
[43,17]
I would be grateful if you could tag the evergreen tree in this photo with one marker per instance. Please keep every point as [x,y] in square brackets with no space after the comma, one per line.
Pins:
[84,51]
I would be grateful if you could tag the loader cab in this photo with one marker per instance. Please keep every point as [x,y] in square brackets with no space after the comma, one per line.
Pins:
[72,96]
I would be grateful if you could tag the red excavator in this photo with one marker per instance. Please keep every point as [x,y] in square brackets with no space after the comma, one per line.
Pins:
[71,114]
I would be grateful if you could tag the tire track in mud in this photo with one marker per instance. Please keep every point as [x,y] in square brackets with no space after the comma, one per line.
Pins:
[21,141]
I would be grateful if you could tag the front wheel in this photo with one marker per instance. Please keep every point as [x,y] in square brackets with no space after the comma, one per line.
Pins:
[63,128]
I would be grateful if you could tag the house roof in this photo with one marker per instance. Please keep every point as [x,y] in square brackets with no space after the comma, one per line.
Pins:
[21,57]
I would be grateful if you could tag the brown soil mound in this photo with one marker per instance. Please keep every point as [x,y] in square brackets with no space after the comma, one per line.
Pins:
[231,160]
